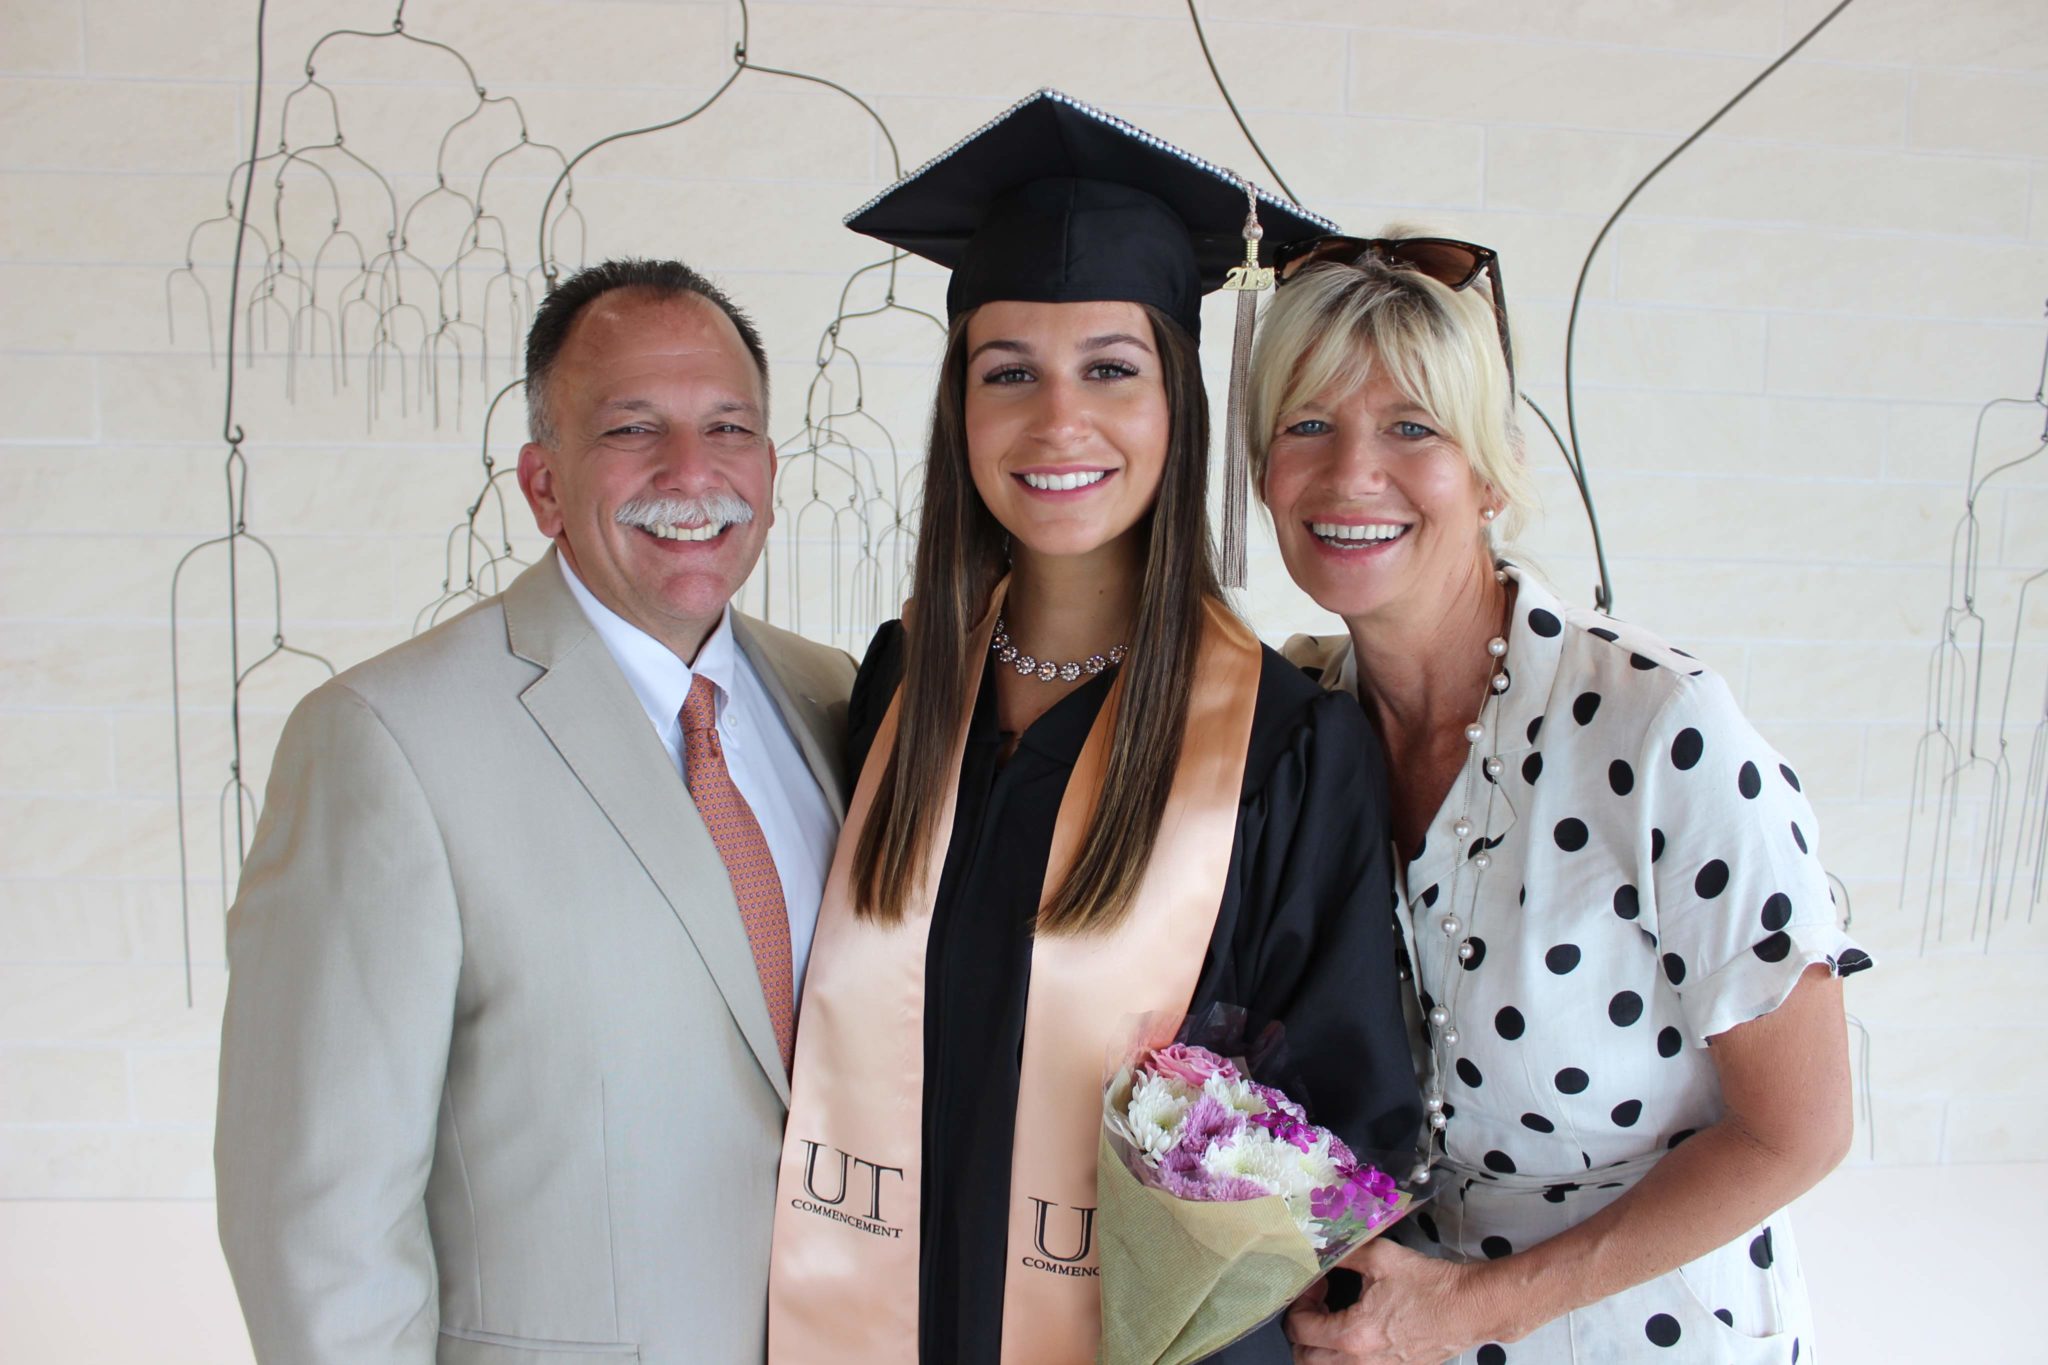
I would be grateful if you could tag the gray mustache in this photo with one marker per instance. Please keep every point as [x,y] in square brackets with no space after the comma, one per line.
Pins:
[710,509]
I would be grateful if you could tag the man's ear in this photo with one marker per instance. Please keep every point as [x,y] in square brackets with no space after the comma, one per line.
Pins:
[537,481]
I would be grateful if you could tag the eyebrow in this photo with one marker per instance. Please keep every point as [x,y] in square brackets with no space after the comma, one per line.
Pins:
[1087,344]
[728,405]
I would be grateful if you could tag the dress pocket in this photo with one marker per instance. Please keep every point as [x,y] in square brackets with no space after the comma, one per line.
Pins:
[1666,1320]
[460,1346]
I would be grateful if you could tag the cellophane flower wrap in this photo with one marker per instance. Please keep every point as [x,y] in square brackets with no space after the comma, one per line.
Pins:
[1219,1200]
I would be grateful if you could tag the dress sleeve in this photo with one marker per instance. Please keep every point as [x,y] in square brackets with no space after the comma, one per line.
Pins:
[1742,904]
[1319,902]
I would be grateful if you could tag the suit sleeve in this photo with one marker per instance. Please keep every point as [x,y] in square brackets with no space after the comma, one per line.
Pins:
[344,949]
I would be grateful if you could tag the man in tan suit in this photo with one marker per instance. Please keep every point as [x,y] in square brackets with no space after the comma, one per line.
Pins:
[515,957]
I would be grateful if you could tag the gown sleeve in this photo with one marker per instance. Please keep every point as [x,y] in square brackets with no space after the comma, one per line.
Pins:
[874,686]
[1741,901]
[1317,945]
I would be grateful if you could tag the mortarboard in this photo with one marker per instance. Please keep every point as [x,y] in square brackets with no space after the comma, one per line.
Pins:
[1055,201]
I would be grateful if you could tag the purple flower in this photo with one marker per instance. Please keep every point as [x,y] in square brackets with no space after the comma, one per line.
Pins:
[1205,1189]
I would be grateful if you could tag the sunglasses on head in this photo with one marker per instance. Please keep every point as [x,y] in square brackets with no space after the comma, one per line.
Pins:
[1447,261]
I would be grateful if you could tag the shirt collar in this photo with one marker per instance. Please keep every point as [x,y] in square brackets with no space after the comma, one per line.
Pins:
[658,678]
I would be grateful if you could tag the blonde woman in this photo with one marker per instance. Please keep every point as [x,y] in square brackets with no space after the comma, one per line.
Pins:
[1619,929]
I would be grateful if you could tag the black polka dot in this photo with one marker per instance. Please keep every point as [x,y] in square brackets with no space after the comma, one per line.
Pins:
[1775,948]
[1522,895]
[1508,1023]
[1468,1073]
[1712,879]
[1798,836]
[1656,844]
[1429,896]
[1687,748]
[1572,1081]
[1791,778]
[1795,1351]
[1544,624]
[1674,969]
[1628,902]
[1471,963]
[1536,1123]
[1570,834]
[1642,663]
[1662,1330]
[1760,1253]
[1562,958]
[1491,1354]
[1500,1161]
[1585,706]
[1625,1008]
[1621,777]
[1496,1247]
[1532,768]
[1421,847]
[1727,1318]
[1749,782]
[1604,633]
[1535,726]
[1777,911]
[1678,1137]
[1670,1042]
[1626,1114]
[1852,961]
[1428,1226]
[1555,1194]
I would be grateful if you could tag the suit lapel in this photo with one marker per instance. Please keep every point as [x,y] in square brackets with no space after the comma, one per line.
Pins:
[795,696]
[584,705]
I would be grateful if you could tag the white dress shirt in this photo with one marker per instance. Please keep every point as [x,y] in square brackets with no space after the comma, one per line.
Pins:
[760,753]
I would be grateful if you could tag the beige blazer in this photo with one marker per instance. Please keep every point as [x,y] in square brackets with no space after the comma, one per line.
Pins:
[498,1082]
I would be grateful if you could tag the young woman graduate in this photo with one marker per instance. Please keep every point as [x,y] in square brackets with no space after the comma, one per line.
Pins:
[1086,792]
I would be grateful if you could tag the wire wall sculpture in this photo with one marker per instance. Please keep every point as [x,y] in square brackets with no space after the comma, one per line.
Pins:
[427,327]
[414,287]
[1977,827]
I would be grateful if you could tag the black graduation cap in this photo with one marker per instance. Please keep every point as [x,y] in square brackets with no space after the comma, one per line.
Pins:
[1055,201]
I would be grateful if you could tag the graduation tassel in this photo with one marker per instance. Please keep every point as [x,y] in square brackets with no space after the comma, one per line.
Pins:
[1247,281]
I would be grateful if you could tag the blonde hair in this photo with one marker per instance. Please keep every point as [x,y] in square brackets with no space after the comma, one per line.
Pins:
[1329,326]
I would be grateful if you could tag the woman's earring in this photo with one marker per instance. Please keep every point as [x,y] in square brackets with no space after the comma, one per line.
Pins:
[1486,514]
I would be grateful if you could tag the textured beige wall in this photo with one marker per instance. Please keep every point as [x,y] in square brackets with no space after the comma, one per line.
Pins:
[1781,359]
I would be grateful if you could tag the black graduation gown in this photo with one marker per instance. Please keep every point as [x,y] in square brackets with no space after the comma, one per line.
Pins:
[1305,935]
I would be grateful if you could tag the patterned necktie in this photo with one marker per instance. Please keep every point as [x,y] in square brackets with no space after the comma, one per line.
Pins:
[737,835]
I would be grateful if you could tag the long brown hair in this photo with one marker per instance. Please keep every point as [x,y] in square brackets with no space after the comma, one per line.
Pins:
[960,558]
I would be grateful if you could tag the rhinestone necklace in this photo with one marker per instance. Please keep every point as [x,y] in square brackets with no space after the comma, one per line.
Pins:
[1458,949]
[1047,670]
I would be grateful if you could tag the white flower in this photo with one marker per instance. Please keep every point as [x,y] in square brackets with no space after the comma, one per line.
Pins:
[1234,1094]
[1158,1104]
[1278,1168]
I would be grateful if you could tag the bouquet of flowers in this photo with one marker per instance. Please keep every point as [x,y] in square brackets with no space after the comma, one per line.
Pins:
[1220,1203]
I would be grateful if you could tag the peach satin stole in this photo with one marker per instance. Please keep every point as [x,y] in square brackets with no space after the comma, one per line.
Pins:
[844,1280]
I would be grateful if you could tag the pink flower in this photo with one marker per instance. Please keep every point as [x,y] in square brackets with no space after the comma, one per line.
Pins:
[1191,1065]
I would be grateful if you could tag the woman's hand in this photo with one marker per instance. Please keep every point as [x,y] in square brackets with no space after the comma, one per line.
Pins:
[1415,1310]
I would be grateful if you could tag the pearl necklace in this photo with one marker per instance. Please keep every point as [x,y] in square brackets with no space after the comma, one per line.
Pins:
[1458,950]
[1046,670]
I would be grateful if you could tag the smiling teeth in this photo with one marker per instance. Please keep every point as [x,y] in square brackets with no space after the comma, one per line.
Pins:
[1060,483]
[708,531]
[1330,530]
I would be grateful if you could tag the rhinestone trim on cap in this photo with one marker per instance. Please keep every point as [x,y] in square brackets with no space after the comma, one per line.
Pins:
[1101,116]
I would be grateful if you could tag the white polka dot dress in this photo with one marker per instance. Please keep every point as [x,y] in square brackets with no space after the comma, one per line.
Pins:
[1651,879]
